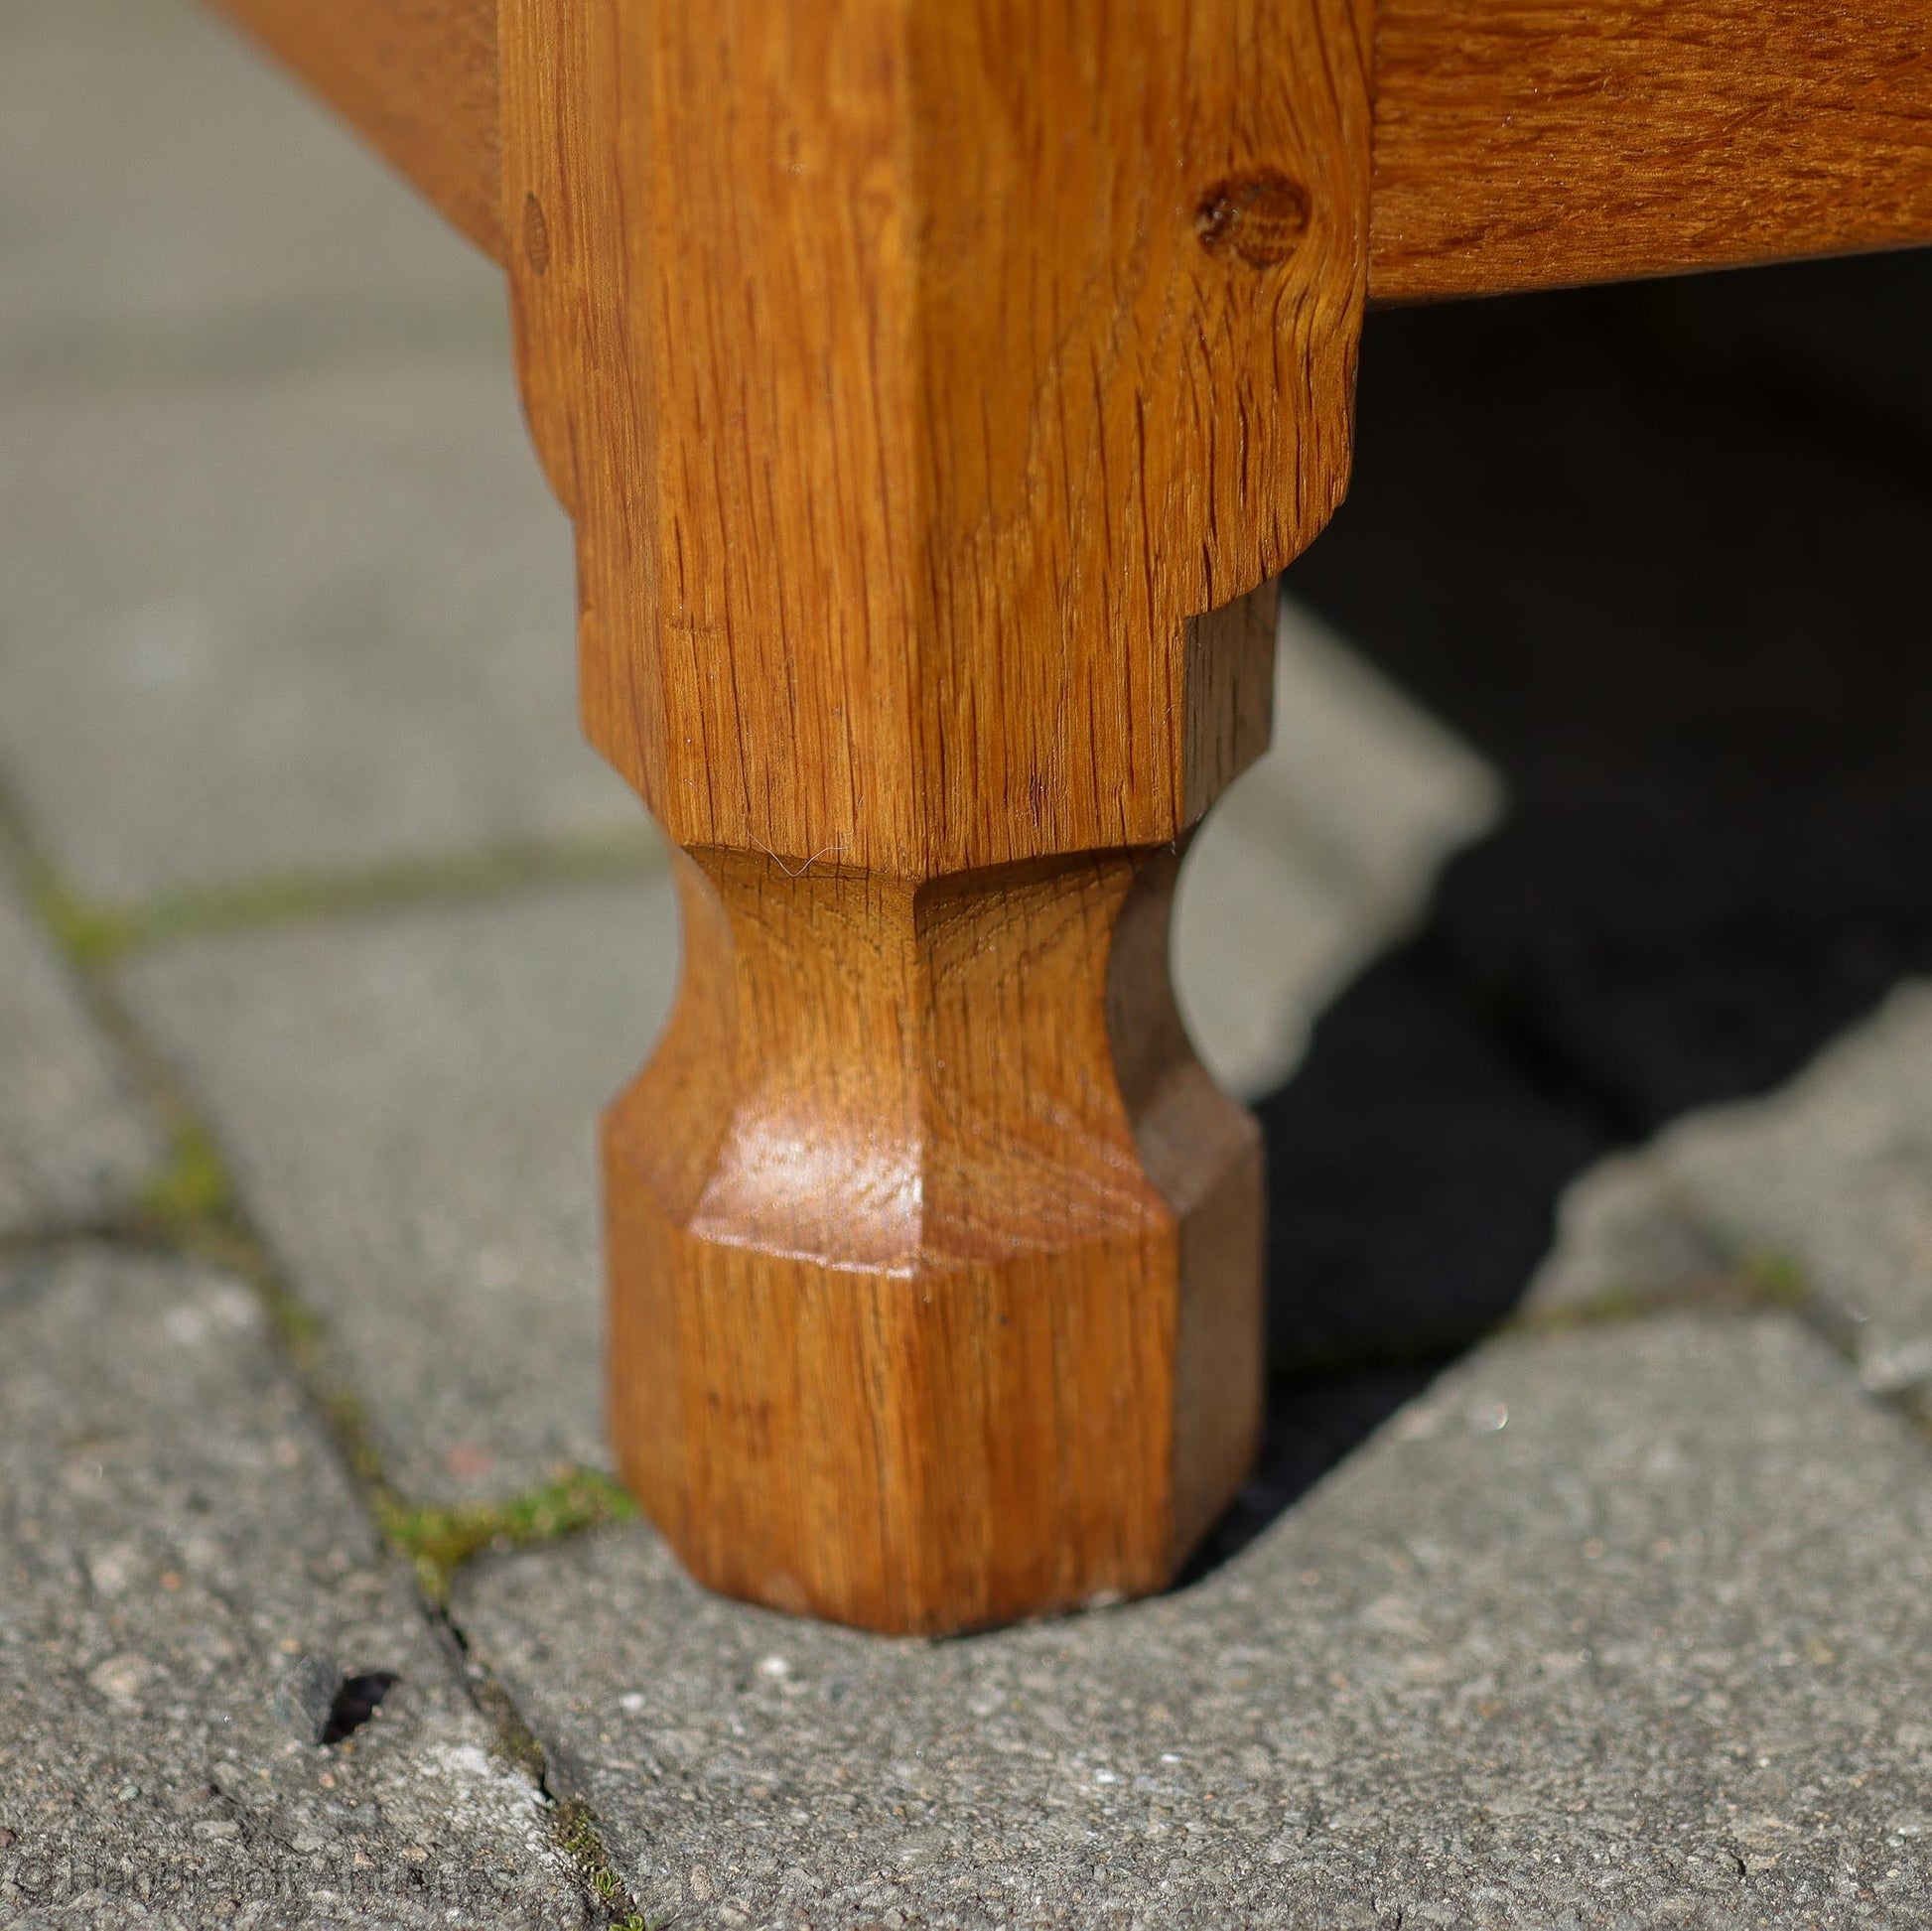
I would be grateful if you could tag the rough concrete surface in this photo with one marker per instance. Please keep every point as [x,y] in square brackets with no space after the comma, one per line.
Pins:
[1627,1232]
[166,195]
[74,1139]
[1317,857]
[1833,1172]
[1622,1624]
[1823,1187]
[1245,894]
[410,1104]
[1622,1628]
[290,619]
[185,1581]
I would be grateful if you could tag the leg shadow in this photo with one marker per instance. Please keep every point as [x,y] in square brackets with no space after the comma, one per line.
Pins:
[1661,554]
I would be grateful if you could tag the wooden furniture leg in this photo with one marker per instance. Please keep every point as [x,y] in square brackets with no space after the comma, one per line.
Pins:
[933,383]
[933,388]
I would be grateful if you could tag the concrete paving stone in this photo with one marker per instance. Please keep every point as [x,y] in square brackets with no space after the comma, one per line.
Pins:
[1834,1172]
[1259,937]
[181,1554]
[1625,1627]
[163,186]
[74,1139]
[1360,774]
[409,1107]
[291,620]
[1317,857]
[1625,1231]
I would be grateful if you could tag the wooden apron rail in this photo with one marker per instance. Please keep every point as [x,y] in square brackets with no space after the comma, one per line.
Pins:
[1518,143]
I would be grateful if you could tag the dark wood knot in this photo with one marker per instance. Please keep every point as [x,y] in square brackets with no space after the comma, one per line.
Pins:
[1259,217]
[536,234]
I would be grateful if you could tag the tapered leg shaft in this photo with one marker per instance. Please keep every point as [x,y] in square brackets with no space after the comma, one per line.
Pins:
[936,390]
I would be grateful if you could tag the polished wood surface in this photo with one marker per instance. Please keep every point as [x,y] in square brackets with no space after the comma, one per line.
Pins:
[418,80]
[1528,143]
[936,1254]
[916,389]
[935,391]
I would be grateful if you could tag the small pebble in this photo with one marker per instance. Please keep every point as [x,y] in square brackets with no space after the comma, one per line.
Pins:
[306,1695]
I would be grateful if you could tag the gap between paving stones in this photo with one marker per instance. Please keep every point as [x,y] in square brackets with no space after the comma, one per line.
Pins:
[191,1209]
[1751,1279]
[103,934]
[192,1206]
[435,1541]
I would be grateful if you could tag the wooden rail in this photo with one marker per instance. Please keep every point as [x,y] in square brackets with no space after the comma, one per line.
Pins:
[1534,143]
[416,79]
[1518,143]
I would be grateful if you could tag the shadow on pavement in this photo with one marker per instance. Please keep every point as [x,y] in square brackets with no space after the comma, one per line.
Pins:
[1664,555]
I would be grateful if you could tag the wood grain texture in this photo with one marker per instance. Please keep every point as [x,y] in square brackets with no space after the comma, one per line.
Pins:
[417,78]
[1530,142]
[1519,144]
[941,1295]
[909,407]
[936,390]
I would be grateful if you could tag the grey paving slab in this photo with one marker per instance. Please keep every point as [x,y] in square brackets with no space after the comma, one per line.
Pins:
[409,1106]
[75,1141]
[166,193]
[1317,857]
[304,619]
[1831,1174]
[1834,1172]
[1260,935]
[1364,775]
[186,1584]
[1626,1231]
[1622,1628]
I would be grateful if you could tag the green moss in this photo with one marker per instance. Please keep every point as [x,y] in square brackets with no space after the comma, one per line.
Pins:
[98,935]
[94,936]
[511,1737]
[1776,1277]
[577,1833]
[439,1540]
[91,935]
[192,1188]
[1609,1304]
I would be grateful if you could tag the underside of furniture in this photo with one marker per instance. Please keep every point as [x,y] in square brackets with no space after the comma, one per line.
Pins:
[937,391]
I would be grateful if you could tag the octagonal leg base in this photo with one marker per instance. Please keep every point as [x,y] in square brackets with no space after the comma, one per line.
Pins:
[935,1254]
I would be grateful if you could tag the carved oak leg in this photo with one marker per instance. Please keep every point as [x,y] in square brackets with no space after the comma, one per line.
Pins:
[931,385]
